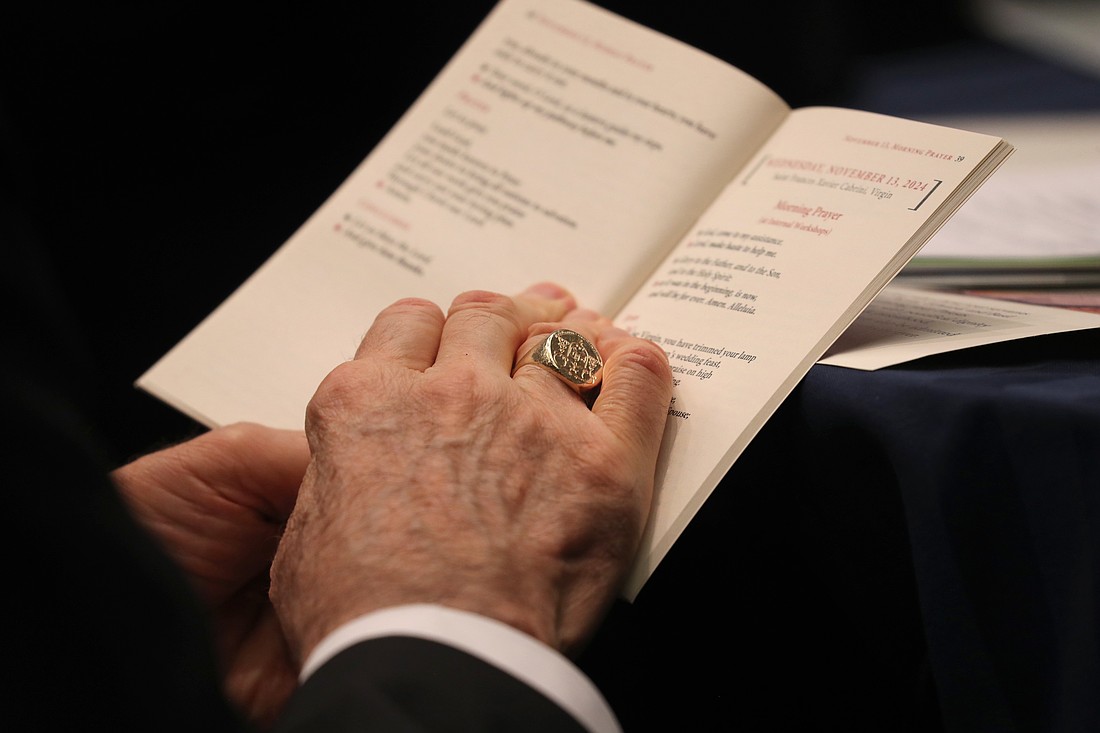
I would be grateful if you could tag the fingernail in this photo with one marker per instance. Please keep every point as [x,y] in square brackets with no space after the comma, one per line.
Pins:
[548,290]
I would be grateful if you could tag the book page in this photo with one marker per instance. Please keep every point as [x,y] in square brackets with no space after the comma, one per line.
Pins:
[903,323]
[817,223]
[560,143]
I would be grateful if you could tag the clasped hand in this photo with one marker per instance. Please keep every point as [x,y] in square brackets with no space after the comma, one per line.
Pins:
[433,476]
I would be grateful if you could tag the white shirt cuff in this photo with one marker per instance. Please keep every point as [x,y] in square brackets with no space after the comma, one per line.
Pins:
[497,643]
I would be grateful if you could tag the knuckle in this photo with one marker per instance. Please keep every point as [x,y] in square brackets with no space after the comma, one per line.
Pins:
[486,307]
[481,299]
[338,393]
[340,384]
[400,315]
[646,364]
[651,357]
[416,308]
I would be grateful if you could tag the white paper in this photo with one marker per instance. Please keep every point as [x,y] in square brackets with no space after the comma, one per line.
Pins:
[903,324]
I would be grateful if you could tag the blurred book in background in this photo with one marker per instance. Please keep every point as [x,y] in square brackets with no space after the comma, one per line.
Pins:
[1036,226]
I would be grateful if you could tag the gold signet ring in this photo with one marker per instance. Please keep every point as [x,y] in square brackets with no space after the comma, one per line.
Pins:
[569,356]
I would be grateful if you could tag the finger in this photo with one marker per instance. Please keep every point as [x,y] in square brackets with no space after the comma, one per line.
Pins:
[490,327]
[266,465]
[586,315]
[406,332]
[635,392]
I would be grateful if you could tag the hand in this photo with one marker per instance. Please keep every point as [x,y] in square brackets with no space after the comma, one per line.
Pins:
[218,504]
[438,477]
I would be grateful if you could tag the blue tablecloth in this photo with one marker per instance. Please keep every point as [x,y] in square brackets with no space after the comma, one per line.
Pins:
[996,455]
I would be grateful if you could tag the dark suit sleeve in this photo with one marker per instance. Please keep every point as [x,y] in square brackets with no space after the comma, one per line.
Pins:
[103,631]
[102,626]
[410,684]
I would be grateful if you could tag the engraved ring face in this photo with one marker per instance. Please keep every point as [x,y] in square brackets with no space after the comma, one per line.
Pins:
[570,356]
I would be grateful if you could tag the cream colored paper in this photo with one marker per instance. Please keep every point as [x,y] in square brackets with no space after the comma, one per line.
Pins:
[905,323]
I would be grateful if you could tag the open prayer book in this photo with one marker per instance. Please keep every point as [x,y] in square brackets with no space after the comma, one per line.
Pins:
[656,182]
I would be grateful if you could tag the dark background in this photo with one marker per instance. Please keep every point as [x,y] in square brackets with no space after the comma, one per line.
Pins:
[153,158]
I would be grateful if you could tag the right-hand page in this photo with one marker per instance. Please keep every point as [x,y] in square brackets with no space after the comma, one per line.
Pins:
[826,213]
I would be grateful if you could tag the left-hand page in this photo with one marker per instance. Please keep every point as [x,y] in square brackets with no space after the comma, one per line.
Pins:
[553,146]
